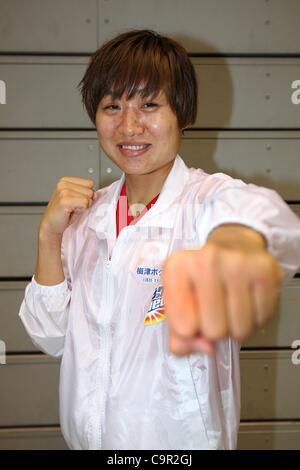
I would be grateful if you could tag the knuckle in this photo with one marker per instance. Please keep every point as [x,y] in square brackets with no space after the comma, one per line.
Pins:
[64,193]
[177,347]
[215,333]
[209,251]
[236,266]
[208,255]
[172,261]
[261,321]
[60,185]
[263,280]
[266,271]
[187,329]
[240,334]
[277,272]
[242,330]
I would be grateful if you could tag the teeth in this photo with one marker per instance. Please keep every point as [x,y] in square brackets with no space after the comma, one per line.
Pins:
[134,147]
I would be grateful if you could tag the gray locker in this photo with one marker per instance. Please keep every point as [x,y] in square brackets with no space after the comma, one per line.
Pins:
[19,240]
[29,391]
[12,331]
[34,162]
[233,93]
[260,436]
[252,436]
[48,438]
[281,330]
[41,92]
[212,26]
[269,159]
[270,384]
[246,93]
[72,25]
[269,436]
[41,26]
[109,170]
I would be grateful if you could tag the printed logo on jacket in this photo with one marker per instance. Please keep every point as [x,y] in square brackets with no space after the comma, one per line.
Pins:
[156,311]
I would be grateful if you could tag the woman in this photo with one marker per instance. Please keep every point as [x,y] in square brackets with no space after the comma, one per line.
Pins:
[122,272]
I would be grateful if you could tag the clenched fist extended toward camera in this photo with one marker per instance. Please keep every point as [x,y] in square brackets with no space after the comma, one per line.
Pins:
[228,287]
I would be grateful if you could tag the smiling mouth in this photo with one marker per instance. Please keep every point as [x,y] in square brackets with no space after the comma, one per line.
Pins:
[133,150]
[134,147]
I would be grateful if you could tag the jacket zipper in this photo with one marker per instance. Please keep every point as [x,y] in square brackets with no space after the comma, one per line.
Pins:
[103,377]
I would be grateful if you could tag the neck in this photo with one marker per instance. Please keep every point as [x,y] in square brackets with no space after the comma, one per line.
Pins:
[141,189]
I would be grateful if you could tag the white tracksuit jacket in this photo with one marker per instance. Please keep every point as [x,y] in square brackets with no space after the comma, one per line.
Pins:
[120,387]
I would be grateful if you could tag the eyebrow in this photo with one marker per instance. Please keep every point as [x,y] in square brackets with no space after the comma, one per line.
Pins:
[139,90]
[157,96]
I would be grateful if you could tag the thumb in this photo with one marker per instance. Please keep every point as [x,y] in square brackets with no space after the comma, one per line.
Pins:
[75,214]
[96,196]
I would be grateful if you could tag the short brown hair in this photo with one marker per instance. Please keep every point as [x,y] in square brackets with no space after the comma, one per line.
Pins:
[142,57]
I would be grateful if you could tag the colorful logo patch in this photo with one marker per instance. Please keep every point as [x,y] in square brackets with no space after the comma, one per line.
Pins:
[156,311]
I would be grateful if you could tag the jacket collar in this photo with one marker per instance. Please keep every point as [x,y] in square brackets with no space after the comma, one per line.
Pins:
[102,216]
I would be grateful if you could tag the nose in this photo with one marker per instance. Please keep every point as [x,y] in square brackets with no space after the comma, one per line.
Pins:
[130,123]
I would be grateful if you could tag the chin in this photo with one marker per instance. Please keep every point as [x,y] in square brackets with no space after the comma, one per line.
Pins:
[134,167]
[135,171]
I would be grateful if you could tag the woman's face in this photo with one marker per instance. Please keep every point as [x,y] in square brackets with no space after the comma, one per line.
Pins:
[139,121]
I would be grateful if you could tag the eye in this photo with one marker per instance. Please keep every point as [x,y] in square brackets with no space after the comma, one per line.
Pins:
[151,105]
[111,107]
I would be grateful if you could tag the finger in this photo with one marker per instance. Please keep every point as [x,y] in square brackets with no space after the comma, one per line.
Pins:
[210,295]
[240,308]
[201,344]
[266,278]
[179,299]
[77,201]
[266,302]
[182,346]
[178,345]
[69,186]
[89,183]
[95,195]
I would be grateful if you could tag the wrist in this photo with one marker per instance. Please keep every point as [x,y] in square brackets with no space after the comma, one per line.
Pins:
[47,238]
[238,236]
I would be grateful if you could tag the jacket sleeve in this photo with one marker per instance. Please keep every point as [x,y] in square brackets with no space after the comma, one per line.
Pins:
[44,313]
[260,208]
